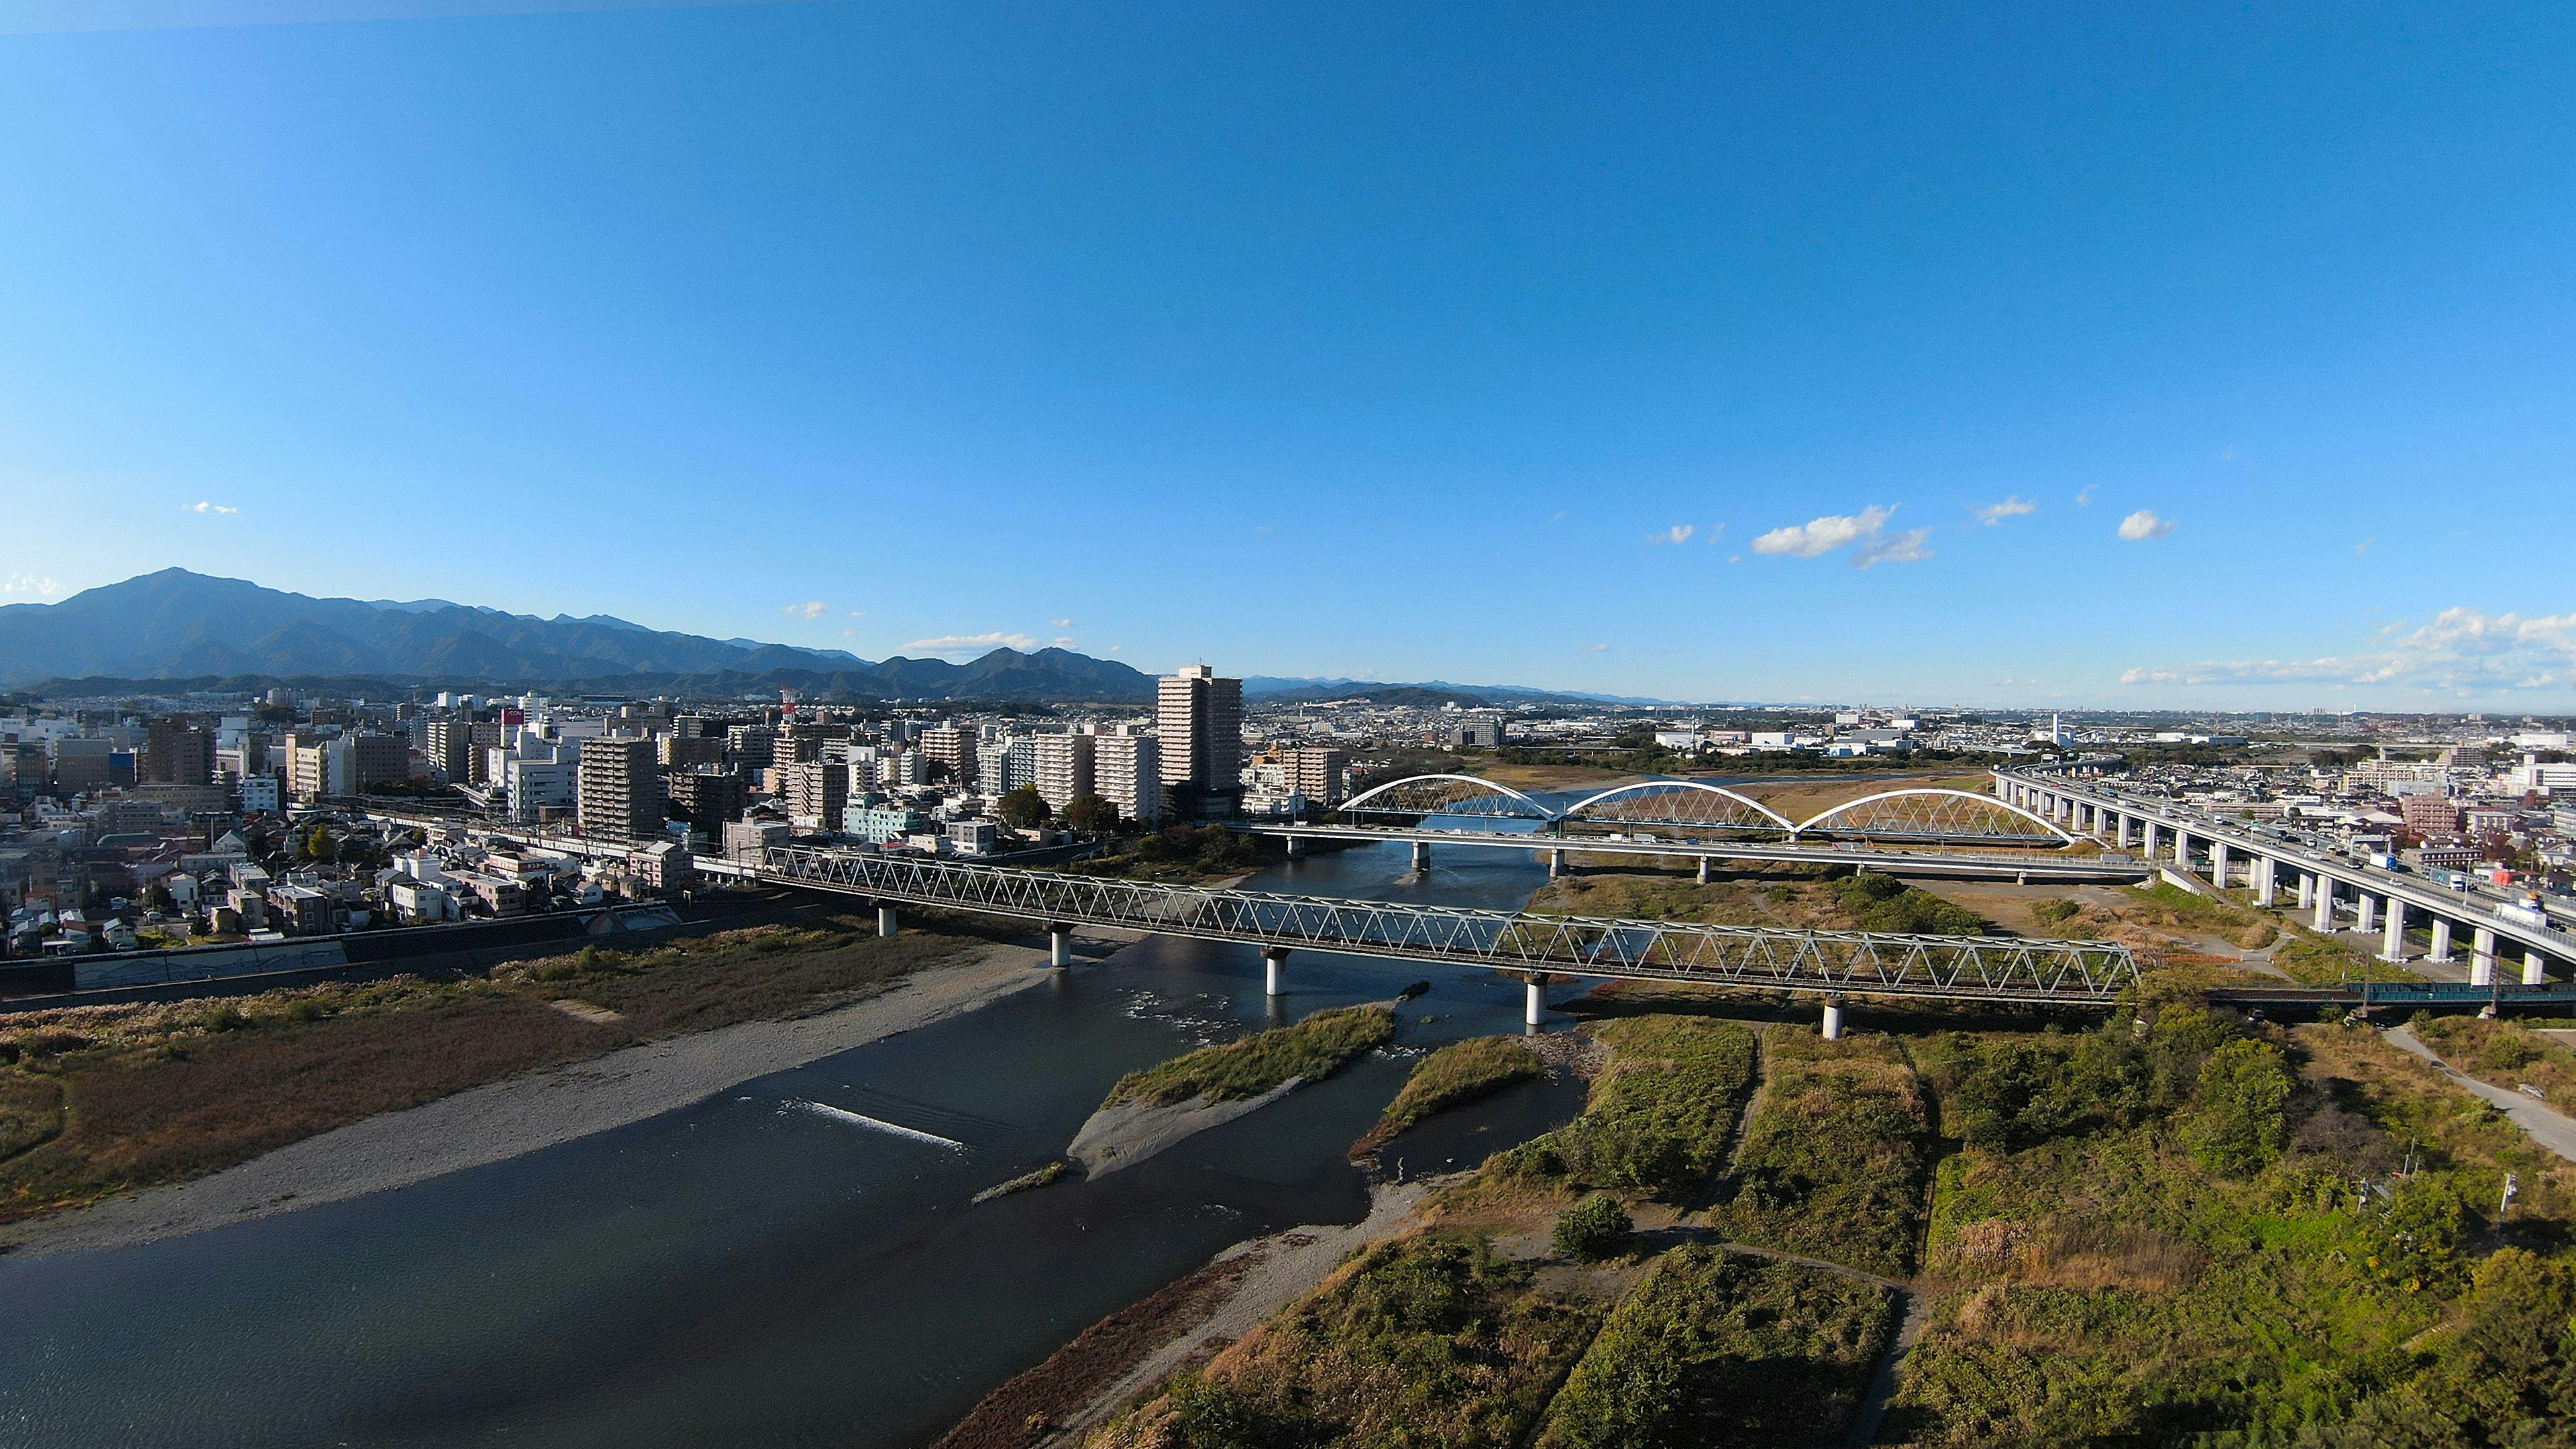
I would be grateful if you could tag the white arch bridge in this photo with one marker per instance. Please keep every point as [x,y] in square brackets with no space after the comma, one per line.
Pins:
[1827,963]
[1924,830]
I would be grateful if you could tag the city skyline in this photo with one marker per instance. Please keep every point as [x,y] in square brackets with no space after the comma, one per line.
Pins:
[2131,362]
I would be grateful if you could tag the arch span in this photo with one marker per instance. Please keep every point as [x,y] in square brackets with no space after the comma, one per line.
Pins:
[1446,795]
[1933,813]
[1689,804]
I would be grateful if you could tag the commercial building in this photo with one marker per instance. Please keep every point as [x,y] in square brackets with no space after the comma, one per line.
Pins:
[1199,722]
[176,753]
[1064,769]
[1127,771]
[376,760]
[621,790]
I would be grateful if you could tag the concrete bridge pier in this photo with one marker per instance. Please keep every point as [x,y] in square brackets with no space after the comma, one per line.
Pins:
[1555,864]
[2441,941]
[2265,870]
[1296,847]
[2366,912]
[2324,920]
[886,924]
[1703,870]
[2482,957]
[2307,890]
[1421,856]
[2218,864]
[1833,1027]
[2534,968]
[1059,946]
[2392,947]
[2149,847]
[1534,1001]
[1274,970]
[2120,824]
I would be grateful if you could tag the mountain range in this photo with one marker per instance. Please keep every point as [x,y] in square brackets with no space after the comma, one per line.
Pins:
[175,625]
[176,628]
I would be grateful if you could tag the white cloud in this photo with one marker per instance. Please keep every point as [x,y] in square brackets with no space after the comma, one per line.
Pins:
[1060,623]
[1678,533]
[208,508]
[2084,499]
[858,613]
[2143,525]
[810,609]
[30,584]
[1062,641]
[1864,533]
[2461,652]
[1991,514]
[970,644]
[2363,547]
[1596,648]
[1904,547]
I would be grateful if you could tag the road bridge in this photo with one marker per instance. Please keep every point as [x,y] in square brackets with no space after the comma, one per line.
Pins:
[1554,848]
[1830,964]
[2332,888]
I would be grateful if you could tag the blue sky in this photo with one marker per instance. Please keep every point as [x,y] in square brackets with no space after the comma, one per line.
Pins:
[1728,353]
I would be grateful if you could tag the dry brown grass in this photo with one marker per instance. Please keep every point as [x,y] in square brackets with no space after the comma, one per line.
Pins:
[100,1100]
[2504,1054]
[2413,1102]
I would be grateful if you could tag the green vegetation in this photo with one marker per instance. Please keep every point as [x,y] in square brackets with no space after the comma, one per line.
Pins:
[1090,814]
[1833,1161]
[1592,1229]
[1425,1342]
[1659,1120]
[1022,808]
[2213,1230]
[2324,961]
[104,1099]
[1453,1076]
[1232,1071]
[1052,1172]
[1884,903]
[1724,1348]
[1181,853]
[2503,1053]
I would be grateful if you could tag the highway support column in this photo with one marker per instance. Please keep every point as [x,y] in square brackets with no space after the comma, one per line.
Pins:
[1274,970]
[2218,864]
[2265,869]
[2392,947]
[2324,921]
[2482,957]
[2534,967]
[2441,951]
[2366,912]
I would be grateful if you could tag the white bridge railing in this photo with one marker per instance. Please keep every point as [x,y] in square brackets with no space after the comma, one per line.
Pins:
[1972,968]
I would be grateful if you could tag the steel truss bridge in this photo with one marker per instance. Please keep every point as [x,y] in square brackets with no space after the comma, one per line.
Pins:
[1827,963]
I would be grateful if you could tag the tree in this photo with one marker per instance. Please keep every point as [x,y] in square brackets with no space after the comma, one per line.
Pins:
[1091,815]
[1593,1228]
[2240,1124]
[318,845]
[1023,808]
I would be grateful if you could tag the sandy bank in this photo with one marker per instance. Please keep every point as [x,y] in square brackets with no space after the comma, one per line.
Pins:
[1282,1268]
[521,1114]
[1127,1134]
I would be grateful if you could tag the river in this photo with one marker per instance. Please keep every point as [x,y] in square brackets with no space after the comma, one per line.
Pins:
[764,1268]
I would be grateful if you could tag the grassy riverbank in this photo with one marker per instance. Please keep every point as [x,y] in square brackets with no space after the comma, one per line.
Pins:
[106,1099]
[1453,1076]
[2199,1231]
[1234,1071]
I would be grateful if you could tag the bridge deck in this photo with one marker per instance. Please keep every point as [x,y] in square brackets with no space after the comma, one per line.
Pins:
[2093,973]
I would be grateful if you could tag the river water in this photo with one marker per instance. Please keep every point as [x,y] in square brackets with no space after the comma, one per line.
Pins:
[765,1268]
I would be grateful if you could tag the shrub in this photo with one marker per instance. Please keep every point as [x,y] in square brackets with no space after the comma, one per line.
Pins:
[1232,1071]
[1659,1119]
[1592,1229]
[2240,1124]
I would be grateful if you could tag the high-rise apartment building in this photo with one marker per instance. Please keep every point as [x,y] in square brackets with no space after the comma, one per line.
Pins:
[377,759]
[1127,771]
[1199,719]
[711,796]
[1322,776]
[2430,814]
[1064,769]
[952,748]
[687,752]
[176,753]
[450,748]
[751,747]
[621,790]
[813,792]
